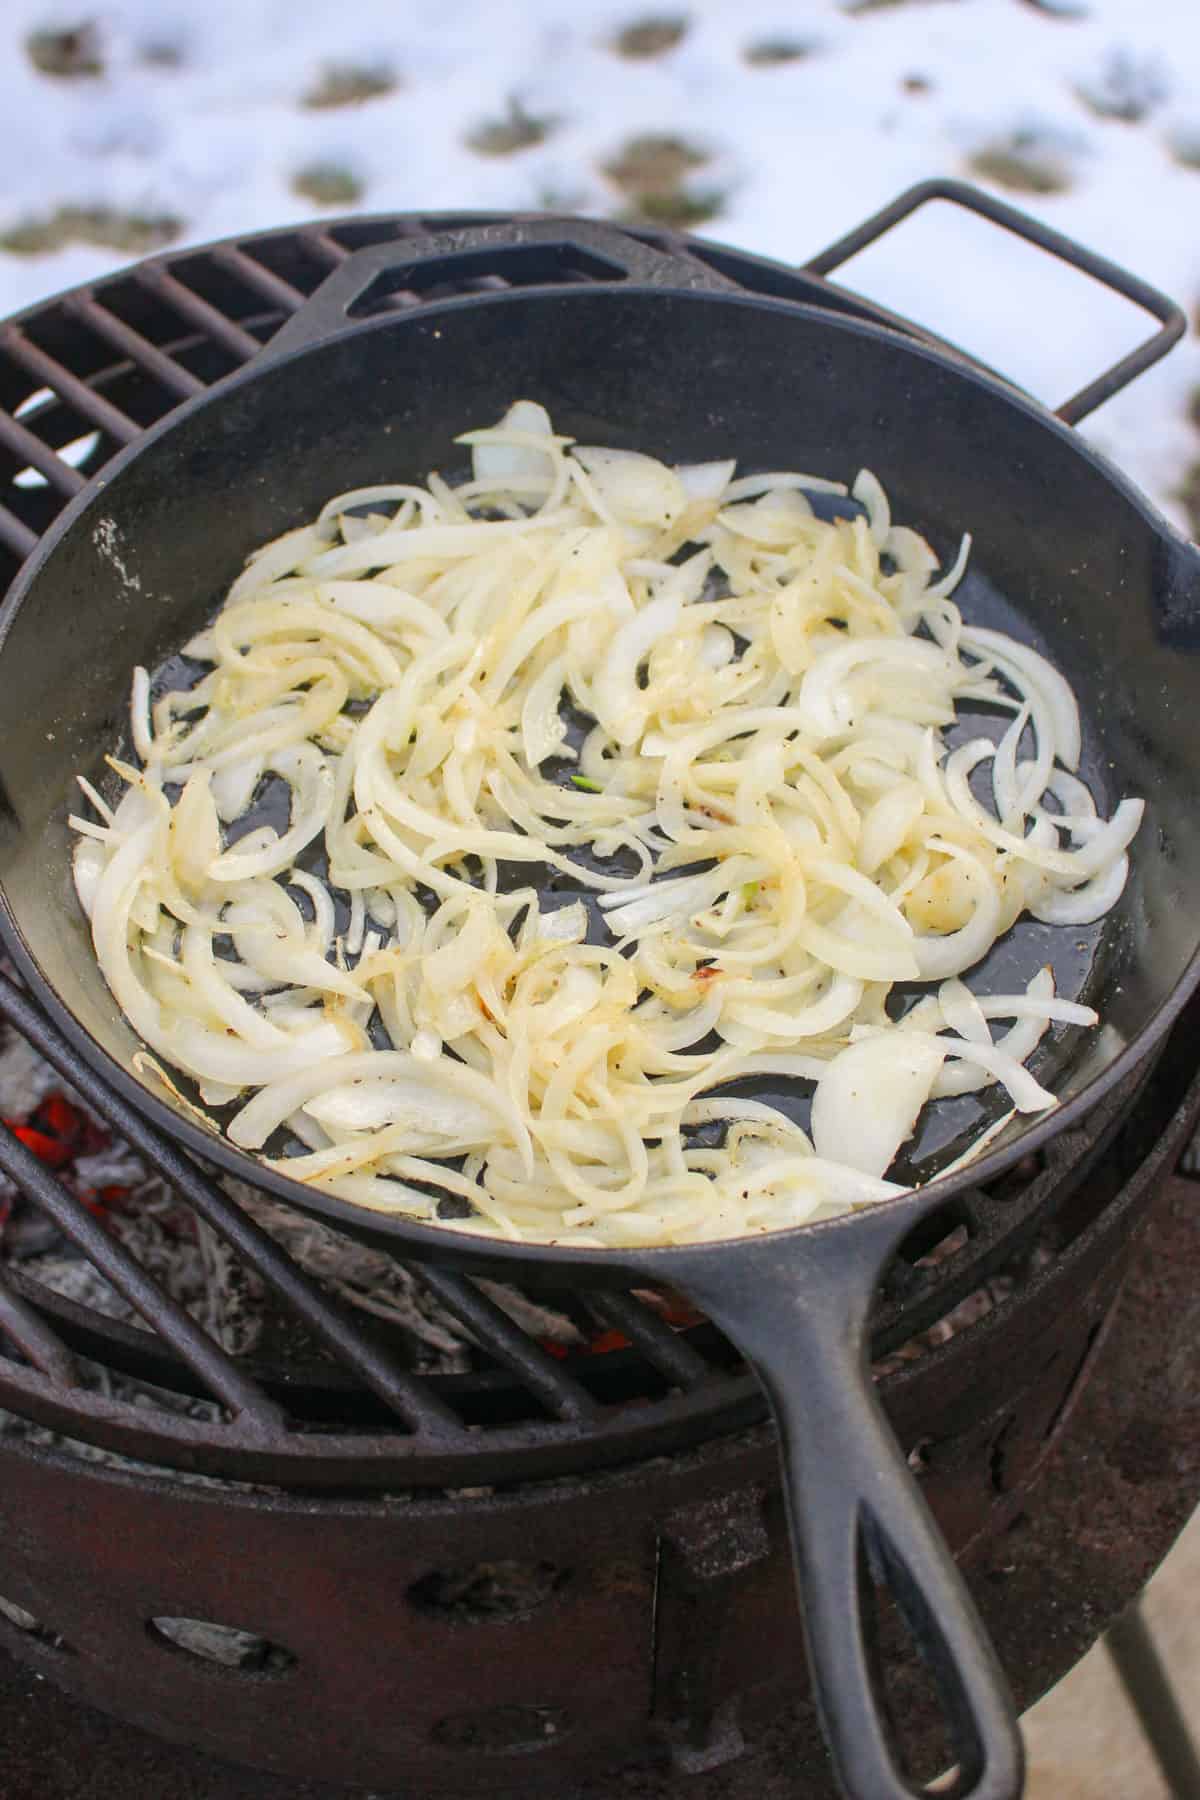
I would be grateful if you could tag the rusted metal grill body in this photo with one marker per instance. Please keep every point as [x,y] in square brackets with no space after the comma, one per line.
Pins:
[426,1640]
[544,1559]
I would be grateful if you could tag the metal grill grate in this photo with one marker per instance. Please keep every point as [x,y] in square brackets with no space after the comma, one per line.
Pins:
[80,378]
[178,323]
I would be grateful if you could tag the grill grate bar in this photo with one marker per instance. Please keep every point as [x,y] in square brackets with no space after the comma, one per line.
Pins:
[68,387]
[323,246]
[40,456]
[670,1353]
[206,1359]
[405,1395]
[16,534]
[559,1392]
[347,1458]
[272,287]
[197,311]
[34,1338]
[123,337]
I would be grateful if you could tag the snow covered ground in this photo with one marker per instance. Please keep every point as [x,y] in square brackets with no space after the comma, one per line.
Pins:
[788,123]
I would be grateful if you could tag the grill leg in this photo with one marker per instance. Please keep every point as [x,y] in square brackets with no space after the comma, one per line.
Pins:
[704,1553]
[1139,1666]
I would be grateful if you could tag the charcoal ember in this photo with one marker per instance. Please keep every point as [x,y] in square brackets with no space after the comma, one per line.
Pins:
[237,1307]
[545,1323]
[368,1280]
[65,1272]
[25,1232]
[25,1077]
[112,1167]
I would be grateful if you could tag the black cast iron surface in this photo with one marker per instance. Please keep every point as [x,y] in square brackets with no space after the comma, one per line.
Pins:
[1121,1484]
[1064,545]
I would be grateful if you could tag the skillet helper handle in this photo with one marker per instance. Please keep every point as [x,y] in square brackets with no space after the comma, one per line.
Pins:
[1172,320]
[530,252]
[856,1515]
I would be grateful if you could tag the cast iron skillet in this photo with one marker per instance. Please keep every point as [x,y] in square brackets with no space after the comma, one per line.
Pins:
[662,355]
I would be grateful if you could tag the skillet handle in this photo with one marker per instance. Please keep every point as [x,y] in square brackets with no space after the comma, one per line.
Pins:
[542,251]
[1172,320]
[855,1512]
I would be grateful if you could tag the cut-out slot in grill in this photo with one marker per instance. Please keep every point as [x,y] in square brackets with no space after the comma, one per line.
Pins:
[221,1646]
[503,1730]
[514,265]
[487,1593]
[30,1626]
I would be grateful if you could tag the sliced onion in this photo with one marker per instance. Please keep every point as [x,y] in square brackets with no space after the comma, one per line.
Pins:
[195,834]
[958,568]
[324,915]
[273,1103]
[747,486]
[887,824]
[1027,1094]
[955,951]
[432,1111]
[284,957]
[1028,667]
[1084,904]
[833,1008]
[716,646]
[497,461]
[311,779]
[825,708]
[139,712]
[910,552]
[564,924]
[635,487]
[962,1012]
[705,481]
[383,608]
[763,800]
[233,786]
[869,494]
[543,730]
[616,696]
[867,1102]
[88,863]
[773,520]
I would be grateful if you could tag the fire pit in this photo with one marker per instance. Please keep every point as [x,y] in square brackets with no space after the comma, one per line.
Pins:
[403,1527]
